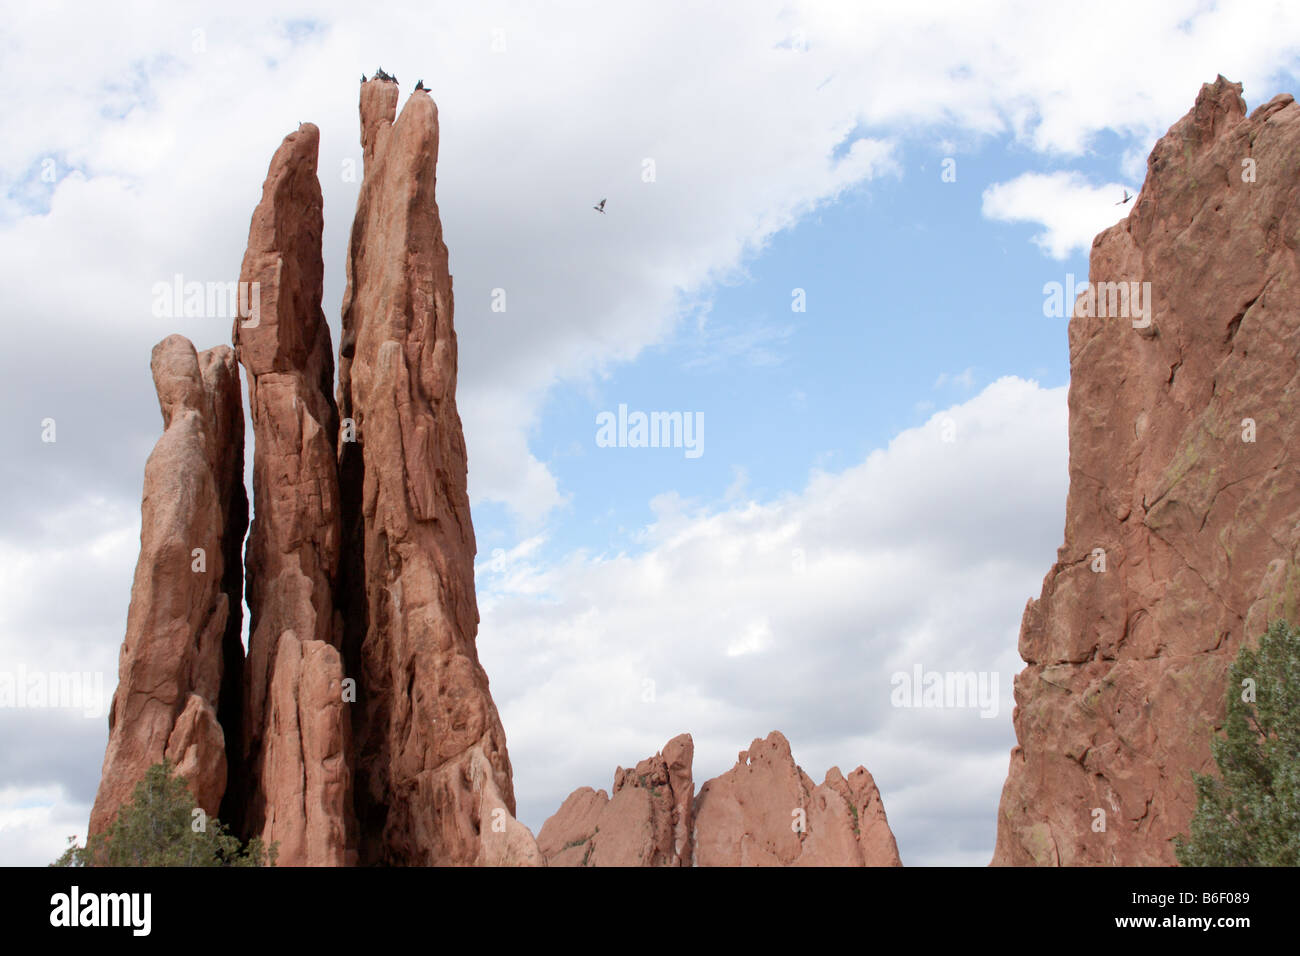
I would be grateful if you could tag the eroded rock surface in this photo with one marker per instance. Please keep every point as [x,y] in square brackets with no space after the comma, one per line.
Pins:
[647,822]
[1184,488]
[296,761]
[184,619]
[765,811]
[428,737]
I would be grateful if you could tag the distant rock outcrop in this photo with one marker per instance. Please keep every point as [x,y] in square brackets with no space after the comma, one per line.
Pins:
[646,823]
[1182,530]
[765,811]
[296,762]
[431,751]
[175,683]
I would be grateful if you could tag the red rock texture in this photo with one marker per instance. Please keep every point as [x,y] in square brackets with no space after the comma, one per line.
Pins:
[646,823]
[431,751]
[765,811]
[359,565]
[296,764]
[184,619]
[1126,668]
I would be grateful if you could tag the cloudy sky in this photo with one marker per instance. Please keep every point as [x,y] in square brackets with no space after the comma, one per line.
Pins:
[828,231]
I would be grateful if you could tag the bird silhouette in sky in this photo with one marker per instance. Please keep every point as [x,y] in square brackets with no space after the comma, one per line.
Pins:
[1126,198]
[600,207]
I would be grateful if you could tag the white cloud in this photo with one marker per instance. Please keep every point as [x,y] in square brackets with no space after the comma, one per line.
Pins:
[792,614]
[743,134]
[35,823]
[1072,210]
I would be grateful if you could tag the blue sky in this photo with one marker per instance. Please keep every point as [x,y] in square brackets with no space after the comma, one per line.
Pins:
[914,299]
[829,536]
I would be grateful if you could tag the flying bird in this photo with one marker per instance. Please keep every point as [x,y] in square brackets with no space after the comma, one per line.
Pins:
[1126,198]
[600,207]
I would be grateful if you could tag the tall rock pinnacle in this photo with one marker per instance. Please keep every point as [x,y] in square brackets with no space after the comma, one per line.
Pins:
[296,742]
[178,672]
[433,775]
[1182,530]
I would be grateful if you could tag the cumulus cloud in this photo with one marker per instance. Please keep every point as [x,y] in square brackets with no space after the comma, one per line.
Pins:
[793,614]
[35,823]
[159,141]
[1071,209]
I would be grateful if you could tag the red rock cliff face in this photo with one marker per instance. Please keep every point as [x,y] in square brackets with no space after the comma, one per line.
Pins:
[296,759]
[184,619]
[432,760]
[1184,448]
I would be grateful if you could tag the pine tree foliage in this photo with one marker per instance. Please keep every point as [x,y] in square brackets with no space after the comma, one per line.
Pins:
[1249,814]
[160,826]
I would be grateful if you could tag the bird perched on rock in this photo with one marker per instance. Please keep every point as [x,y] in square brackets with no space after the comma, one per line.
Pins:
[419,85]
[363,78]
[381,75]
[1126,198]
[600,207]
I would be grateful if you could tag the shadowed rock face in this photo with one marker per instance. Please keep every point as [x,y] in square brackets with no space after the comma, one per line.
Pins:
[765,811]
[184,620]
[431,750]
[296,786]
[1199,524]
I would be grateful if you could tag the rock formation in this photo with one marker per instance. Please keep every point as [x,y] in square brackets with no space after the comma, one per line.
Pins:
[183,626]
[765,811]
[1183,517]
[431,751]
[360,727]
[296,758]
[646,823]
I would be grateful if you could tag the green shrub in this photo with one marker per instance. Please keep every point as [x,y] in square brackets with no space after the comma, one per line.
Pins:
[159,826]
[1249,815]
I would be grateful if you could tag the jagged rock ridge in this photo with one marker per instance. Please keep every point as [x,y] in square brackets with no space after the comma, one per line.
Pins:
[764,811]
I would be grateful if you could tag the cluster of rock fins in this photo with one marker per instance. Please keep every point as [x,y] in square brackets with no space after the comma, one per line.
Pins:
[358,728]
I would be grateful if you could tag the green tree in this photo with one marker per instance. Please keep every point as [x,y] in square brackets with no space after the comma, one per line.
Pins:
[159,827]
[1249,815]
